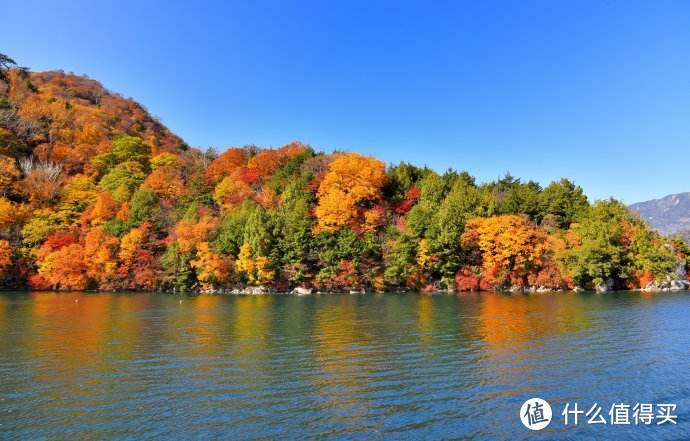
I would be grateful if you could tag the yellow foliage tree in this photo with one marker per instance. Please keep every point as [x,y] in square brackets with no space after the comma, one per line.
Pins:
[423,256]
[245,263]
[78,190]
[129,244]
[11,213]
[256,270]
[165,159]
[231,192]
[263,273]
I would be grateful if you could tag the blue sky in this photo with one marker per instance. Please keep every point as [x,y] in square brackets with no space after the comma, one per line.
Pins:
[597,91]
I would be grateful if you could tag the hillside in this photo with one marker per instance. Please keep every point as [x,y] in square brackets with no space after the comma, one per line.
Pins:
[70,119]
[97,194]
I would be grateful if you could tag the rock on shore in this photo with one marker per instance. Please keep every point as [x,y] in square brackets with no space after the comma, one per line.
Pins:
[677,281]
[668,285]
[606,286]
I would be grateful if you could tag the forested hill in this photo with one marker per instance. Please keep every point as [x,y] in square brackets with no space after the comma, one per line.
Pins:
[97,194]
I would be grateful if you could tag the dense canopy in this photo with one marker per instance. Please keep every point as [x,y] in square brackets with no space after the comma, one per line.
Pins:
[97,194]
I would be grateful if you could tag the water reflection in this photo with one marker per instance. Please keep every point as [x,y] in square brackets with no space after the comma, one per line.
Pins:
[375,366]
[510,323]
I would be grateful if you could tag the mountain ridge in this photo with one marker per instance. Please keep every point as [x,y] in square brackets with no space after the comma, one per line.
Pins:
[670,215]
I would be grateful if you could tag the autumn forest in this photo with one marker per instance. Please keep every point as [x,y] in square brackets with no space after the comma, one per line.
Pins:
[98,194]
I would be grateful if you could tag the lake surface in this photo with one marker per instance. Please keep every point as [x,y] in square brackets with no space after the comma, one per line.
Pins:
[152,366]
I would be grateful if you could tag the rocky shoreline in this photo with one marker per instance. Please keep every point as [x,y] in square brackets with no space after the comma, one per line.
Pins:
[671,285]
[674,281]
[666,286]
[300,291]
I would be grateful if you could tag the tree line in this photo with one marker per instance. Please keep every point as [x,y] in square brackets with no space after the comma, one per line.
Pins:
[97,194]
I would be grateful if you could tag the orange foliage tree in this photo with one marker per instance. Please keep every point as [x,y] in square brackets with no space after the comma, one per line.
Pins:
[293,149]
[212,268]
[228,162]
[12,214]
[101,252]
[166,181]
[510,251]
[8,173]
[102,210]
[266,162]
[6,253]
[189,233]
[65,268]
[351,187]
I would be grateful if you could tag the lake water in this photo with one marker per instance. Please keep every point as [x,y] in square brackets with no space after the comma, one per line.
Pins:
[145,366]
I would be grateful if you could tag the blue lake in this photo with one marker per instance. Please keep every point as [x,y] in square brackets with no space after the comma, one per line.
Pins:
[152,366]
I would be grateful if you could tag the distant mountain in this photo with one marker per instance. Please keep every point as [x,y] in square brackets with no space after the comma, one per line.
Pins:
[669,215]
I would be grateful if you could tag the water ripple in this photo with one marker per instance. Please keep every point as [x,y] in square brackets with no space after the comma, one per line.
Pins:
[334,367]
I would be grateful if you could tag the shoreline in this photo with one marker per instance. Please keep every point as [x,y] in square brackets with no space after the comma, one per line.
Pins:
[264,291]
